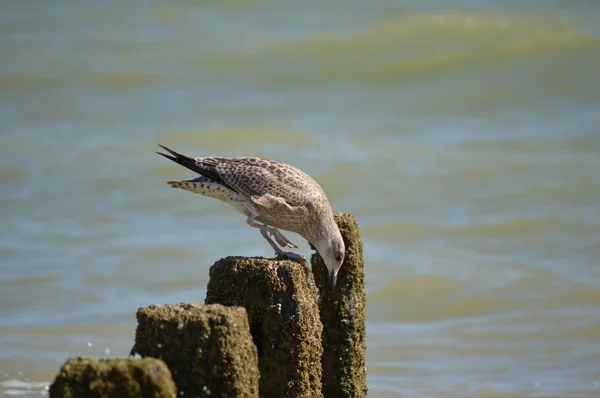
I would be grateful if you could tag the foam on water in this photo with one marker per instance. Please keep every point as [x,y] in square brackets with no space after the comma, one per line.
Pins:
[15,387]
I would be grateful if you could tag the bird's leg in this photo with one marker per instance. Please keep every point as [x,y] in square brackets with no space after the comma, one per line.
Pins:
[279,237]
[265,235]
[265,230]
[278,251]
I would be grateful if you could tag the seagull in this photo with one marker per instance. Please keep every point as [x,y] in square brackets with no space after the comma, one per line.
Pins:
[273,196]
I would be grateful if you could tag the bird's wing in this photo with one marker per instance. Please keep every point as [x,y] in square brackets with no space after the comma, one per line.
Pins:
[277,205]
[255,177]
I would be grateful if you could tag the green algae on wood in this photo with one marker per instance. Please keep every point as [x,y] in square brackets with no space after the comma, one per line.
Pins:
[281,301]
[343,317]
[109,378]
[208,348]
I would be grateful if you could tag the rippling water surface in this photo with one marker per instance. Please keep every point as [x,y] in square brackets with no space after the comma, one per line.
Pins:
[464,136]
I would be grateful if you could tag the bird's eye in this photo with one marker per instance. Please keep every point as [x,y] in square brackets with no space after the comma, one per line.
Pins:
[338,257]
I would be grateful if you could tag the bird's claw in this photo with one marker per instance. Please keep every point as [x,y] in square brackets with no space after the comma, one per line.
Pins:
[290,256]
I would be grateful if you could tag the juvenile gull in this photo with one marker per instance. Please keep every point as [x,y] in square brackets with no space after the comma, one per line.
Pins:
[273,195]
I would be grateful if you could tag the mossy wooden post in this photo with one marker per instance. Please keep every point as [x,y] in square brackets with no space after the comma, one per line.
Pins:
[343,317]
[281,301]
[208,348]
[108,378]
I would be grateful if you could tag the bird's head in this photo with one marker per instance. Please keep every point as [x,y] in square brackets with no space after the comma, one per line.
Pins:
[333,251]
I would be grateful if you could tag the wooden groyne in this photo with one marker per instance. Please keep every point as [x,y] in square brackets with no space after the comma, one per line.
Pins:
[263,331]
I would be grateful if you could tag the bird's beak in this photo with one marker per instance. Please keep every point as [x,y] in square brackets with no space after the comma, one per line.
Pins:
[332,280]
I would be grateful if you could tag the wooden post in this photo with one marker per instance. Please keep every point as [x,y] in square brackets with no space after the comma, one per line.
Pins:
[107,378]
[281,301]
[208,348]
[343,317]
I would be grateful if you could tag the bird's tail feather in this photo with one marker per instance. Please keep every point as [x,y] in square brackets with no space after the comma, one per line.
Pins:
[205,169]
[183,160]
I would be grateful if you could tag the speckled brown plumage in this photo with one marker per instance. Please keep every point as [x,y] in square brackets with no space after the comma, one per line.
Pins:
[276,194]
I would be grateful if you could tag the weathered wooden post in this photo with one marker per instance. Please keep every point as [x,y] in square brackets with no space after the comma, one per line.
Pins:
[208,348]
[343,317]
[281,301]
[109,378]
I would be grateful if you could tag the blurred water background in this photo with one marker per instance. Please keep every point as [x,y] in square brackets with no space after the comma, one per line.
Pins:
[463,135]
